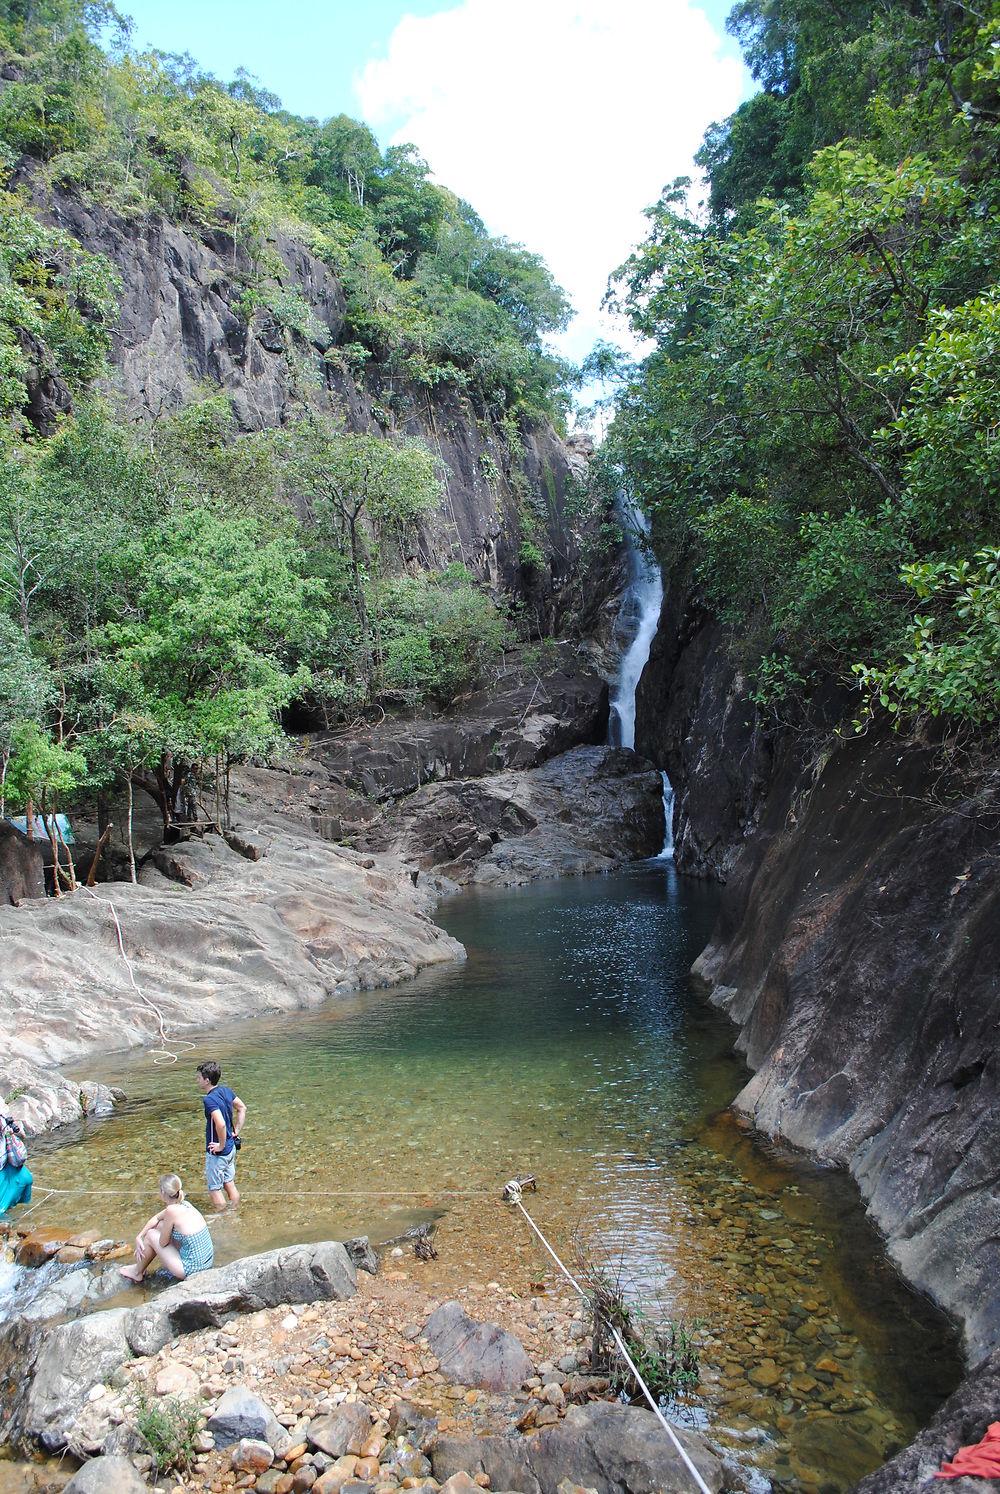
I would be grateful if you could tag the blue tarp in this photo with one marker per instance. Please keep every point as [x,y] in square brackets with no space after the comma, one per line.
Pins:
[40,831]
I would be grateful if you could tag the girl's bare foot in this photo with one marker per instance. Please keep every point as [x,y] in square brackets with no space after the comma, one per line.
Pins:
[131,1273]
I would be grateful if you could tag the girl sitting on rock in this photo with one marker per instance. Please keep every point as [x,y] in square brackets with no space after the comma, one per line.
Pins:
[177,1236]
[15,1179]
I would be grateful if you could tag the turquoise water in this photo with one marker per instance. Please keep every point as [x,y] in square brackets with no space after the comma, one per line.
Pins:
[570,1045]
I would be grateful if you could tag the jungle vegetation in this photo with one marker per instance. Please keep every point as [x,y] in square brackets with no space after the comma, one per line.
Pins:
[169,589]
[816,430]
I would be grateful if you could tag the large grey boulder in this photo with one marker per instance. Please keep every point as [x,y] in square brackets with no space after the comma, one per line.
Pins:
[73,1358]
[476,1353]
[303,1273]
[240,1415]
[106,1475]
[614,1449]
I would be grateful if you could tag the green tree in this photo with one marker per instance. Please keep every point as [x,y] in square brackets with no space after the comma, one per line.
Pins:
[362,492]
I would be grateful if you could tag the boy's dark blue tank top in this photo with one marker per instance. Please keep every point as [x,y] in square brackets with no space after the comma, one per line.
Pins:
[219,1098]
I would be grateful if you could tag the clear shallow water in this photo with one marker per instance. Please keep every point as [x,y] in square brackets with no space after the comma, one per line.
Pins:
[570,1045]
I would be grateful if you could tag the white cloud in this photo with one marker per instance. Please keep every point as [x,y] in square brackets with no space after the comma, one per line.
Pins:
[559,120]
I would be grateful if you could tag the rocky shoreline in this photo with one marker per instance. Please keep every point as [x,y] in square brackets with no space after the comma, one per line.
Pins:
[299,1369]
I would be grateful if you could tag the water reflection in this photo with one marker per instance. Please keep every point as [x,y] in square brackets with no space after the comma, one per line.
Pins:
[569,1045]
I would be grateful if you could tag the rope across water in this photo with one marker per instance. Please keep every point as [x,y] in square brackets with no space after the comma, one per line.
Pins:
[512,1192]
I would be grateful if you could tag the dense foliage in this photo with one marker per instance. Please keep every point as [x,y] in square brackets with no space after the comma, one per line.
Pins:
[169,592]
[430,294]
[816,428]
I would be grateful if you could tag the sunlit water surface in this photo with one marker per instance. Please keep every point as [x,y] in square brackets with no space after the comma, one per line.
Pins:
[573,1046]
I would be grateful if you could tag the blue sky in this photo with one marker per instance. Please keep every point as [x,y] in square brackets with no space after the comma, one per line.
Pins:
[559,120]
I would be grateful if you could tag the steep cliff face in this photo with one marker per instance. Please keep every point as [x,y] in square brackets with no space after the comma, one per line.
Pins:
[857,949]
[184,326]
[694,722]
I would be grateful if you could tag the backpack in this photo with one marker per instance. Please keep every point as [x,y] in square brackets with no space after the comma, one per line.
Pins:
[15,1151]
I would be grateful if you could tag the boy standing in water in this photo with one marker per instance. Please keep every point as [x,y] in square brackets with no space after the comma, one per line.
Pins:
[225,1113]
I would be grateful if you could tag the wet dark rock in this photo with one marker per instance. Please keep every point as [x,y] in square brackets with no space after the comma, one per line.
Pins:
[962,1421]
[614,1449]
[362,1255]
[519,724]
[857,948]
[476,1353]
[22,867]
[591,809]
[693,720]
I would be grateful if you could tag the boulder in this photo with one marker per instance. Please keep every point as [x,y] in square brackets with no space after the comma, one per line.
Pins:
[73,1358]
[63,1297]
[303,1273]
[476,1353]
[241,1416]
[344,1430]
[589,809]
[604,1446]
[22,869]
[106,1475]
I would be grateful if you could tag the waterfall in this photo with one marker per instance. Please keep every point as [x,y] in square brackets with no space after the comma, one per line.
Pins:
[638,619]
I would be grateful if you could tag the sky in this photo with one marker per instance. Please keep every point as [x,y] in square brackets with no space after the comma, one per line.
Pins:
[559,120]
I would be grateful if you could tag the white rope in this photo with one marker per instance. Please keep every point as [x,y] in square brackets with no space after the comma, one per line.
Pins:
[428,1193]
[158,1055]
[513,1193]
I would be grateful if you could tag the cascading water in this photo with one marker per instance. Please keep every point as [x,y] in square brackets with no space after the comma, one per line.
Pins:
[638,619]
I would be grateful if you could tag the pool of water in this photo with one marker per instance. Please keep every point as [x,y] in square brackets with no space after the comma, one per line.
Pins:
[570,1045]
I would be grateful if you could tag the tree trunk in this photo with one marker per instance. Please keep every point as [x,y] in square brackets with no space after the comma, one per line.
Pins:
[128,831]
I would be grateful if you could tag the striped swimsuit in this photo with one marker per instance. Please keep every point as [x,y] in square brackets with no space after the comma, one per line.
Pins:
[196,1251]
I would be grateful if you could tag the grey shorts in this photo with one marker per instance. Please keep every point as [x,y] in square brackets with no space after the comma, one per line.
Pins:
[219,1170]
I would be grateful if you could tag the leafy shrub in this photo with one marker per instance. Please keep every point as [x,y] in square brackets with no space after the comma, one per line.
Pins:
[952,665]
[439,634]
[169,1425]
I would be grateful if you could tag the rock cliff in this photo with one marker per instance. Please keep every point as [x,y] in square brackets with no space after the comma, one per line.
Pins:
[185,327]
[856,950]
[694,722]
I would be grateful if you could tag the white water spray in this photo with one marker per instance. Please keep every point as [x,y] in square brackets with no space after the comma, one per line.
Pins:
[638,619]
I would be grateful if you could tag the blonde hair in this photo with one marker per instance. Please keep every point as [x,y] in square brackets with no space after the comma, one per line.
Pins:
[170,1188]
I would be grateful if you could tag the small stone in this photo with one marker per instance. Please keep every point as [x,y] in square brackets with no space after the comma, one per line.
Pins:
[97,1393]
[290,1323]
[251,1456]
[460,1483]
[765,1374]
[176,1379]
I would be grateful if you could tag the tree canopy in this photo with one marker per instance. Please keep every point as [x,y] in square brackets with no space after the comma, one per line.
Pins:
[814,431]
